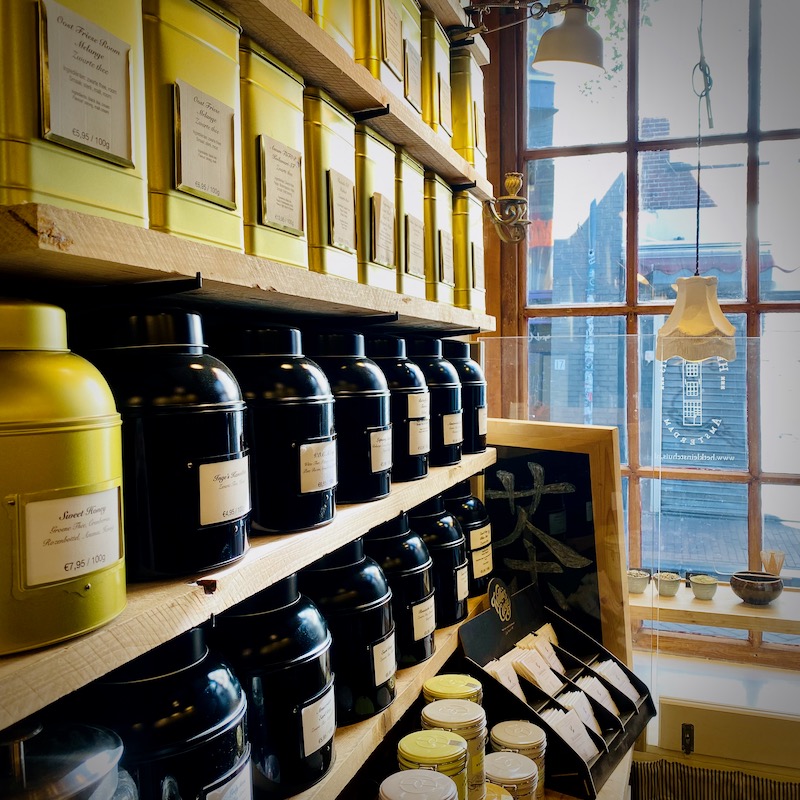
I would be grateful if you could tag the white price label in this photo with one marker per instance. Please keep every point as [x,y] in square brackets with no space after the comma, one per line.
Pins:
[452,430]
[419,405]
[318,720]
[384,660]
[239,787]
[424,618]
[224,490]
[462,583]
[380,448]
[480,537]
[483,420]
[317,466]
[481,562]
[419,437]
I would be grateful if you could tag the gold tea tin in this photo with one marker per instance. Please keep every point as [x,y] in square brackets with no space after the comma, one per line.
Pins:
[470,287]
[193,120]
[337,19]
[436,94]
[439,265]
[330,140]
[273,156]
[469,119]
[379,41]
[410,203]
[412,54]
[61,534]
[72,118]
[375,198]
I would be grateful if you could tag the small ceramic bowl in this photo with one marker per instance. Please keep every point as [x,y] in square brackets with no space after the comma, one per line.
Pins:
[756,588]
[638,580]
[667,582]
[703,586]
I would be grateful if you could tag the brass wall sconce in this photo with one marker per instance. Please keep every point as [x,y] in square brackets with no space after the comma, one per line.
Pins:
[509,212]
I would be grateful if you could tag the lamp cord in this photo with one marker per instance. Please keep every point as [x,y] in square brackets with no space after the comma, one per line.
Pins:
[704,94]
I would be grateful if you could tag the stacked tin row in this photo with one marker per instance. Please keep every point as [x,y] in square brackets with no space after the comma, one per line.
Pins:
[161,113]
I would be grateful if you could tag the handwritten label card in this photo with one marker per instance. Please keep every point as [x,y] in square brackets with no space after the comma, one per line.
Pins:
[415,246]
[413,76]
[447,270]
[281,186]
[480,127]
[478,267]
[445,104]
[392,38]
[383,230]
[341,211]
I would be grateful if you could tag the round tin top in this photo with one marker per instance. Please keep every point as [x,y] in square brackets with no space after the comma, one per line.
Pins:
[275,340]
[26,325]
[392,529]
[457,353]
[432,746]
[335,343]
[517,733]
[455,348]
[386,347]
[144,328]
[345,556]
[495,792]
[503,767]
[453,714]
[278,595]
[454,686]
[418,784]
[424,346]
[460,491]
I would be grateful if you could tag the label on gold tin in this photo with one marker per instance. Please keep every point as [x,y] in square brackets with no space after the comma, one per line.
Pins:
[480,537]
[384,661]
[237,787]
[317,466]
[415,246]
[86,88]
[318,720]
[204,146]
[480,127]
[445,104]
[392,30]
[281,185]
[224,490]
[413,76]
[419,404]
[66,537]
[341,211]
[383,230]
[483,420]
[419,436]
[424,618]
[481,562]
[462,583]
[447,268]
[477,267]
[380,449]
[452,428]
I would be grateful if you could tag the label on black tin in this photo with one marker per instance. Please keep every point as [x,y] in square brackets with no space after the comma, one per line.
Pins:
[424,618]
[481,562]
[380,450]
[317,466]
[419,436]
[224,490]
[419,405]
[86,85]
[236,787]
[480,537]
[483,420]
[462,583]
[318,720]
[66,537]
[384,660]
[452,428]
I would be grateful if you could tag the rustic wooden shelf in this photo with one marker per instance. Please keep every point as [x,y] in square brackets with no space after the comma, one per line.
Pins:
[157,612]
[285,31]
[67,248]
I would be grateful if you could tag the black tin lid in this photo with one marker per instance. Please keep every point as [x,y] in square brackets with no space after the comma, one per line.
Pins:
[392,529]
[461,491]
[424,346]
[430,508]
[454,348]
[345,556]
[334,343]
[386,347]
[179,653]
[276,340]
[146,328]
[280,594]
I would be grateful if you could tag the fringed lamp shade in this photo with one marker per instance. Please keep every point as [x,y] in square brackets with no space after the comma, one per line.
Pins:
[696,329]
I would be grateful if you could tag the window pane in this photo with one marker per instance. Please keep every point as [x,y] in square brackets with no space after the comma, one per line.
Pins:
[779,378]
[779,177]
[668,219]
[780,509]
[780,57]
[694,525]
[692,415]
[565,112]
[576,242]
[576,372]
[668,105]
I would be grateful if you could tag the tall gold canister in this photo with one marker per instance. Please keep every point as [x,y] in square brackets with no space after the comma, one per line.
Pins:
[193,120]
[376,230]
[469,120]
[273,156]
[470,288]
[336,18]
[436,92]
[410,202]
[72,116]
[379,41]
[330,137]
[62,570]
[439,266]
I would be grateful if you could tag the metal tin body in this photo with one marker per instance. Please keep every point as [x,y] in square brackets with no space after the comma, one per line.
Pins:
[412,51]
[408,566]
[181,714]
[473,394]
[495,792]
[440,277]
[336,18]
[448,548]
[467,719]
[417,784]
[522,736]
[436,94]
[444,385]
[474,520]
[437,750]
[376,229]
[34,169]
[410,407]
[61,531]
[469,120]
[468,253]
[278,644]
[515,773]
[452,686]
[379,41]
[410,208]
[330,144]
[361,415]
[193,121]
[352,593]
[290,431]
[185,461]
[273,158]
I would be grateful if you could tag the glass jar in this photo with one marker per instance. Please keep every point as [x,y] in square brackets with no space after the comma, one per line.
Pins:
[438,750]
[408,566]
[473,394]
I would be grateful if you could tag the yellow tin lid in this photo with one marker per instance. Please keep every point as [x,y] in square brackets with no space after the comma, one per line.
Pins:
[432,747]
[28,325]
[495,792]
[455,686]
